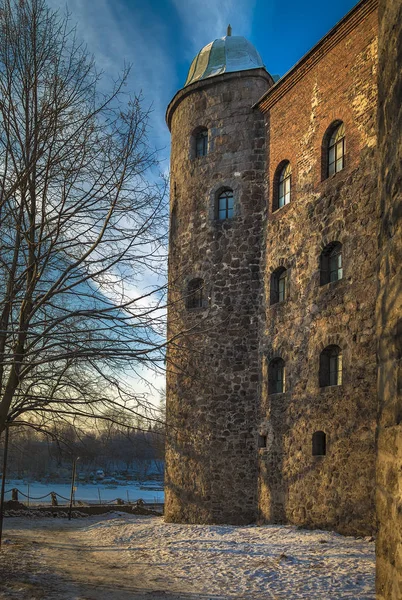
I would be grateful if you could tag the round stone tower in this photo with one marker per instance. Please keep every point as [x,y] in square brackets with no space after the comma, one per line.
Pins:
[215,286]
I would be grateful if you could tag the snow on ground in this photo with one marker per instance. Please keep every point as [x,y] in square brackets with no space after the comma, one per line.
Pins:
[267,562]
[86,492]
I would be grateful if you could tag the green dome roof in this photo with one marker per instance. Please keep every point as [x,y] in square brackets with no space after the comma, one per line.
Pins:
[224,55]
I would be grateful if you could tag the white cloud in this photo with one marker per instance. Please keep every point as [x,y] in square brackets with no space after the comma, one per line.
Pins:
[207,20]
[116,34]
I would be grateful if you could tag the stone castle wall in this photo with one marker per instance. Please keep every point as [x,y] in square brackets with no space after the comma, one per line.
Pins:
[236,453]
[212,384]
[389,305]
[336,490]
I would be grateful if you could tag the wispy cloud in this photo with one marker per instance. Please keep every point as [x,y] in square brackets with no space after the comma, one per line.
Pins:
[207,20]
[117,33]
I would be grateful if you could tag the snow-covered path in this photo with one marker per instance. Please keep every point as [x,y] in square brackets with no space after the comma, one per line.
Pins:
[247,562]
[148,557]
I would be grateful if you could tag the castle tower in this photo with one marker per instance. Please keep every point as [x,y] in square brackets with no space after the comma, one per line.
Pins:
[217,206]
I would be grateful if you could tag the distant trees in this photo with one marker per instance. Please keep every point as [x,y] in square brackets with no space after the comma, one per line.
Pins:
[34,455]
[80,224]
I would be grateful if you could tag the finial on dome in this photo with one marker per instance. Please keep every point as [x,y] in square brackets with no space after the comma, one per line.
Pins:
[229,31]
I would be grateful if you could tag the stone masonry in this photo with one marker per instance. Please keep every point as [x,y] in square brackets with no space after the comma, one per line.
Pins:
[236,452]
[337,490]
[389,305]
[213,377]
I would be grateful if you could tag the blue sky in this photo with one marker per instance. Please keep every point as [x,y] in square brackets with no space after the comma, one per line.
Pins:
[160,38]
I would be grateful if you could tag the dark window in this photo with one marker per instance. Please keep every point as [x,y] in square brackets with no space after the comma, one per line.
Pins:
[282,184]
[278,285]
[331,263]
[331,366]
[262,441]
[225,205]
[201,143]
[276,376]
[319,443]
[336,150]
[194,297]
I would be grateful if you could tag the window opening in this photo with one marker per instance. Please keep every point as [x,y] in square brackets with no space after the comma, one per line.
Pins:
[335,367]
[319,443]
[201,143]
[194,298]
[331,263]
[225,205]
[335,263]
[282,286]
[336,150]
[331,366]
[278,285]
[276,376]
[284,186]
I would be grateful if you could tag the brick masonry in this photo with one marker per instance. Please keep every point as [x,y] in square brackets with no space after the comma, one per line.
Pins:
[389,305]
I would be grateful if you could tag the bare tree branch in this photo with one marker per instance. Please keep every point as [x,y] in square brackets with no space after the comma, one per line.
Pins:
[82,223]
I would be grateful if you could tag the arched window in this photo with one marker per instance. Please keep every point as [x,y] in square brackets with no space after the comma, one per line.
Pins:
[331,263]
[194,296]
[282,181]
[225,205]
[335,149]
[330,366]
[201,142]
[284,186]
[276,376]
[278,285]
[319,443]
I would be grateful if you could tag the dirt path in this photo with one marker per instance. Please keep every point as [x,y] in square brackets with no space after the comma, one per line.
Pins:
[50,559]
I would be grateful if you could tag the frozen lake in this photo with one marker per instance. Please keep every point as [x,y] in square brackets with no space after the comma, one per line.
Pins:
[87,492]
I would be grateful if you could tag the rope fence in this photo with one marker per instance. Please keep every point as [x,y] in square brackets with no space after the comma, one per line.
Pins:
[16,492]
[35,497]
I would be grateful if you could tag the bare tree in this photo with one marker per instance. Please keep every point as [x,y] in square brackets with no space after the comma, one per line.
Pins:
[80,224]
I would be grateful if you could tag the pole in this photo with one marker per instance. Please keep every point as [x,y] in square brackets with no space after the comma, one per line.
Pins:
[72,488]
[3,482]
